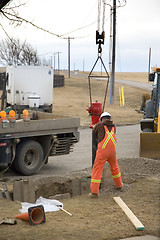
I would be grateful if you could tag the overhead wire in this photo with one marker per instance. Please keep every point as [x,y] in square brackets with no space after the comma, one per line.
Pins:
[118,45]
[89,13]
[80,28]
[121,4]
[20,19]
[83,26]
[124,2]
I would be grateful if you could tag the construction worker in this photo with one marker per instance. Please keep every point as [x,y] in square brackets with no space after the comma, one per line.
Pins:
[106,151]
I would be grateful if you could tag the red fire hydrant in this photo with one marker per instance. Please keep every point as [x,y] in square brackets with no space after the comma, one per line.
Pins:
[95,112]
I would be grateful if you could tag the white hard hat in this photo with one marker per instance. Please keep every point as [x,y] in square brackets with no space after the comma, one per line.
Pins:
[105,114]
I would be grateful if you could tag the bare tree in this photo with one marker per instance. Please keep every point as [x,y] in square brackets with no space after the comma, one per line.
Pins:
[29,55]
[11,12]
[12,51]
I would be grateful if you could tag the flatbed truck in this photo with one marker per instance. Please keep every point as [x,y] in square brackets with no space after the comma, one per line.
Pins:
[25,145]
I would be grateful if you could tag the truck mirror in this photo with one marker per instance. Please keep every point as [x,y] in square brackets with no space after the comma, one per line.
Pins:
[151,77]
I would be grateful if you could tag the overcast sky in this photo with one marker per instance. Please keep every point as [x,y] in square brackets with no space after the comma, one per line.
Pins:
[137,31]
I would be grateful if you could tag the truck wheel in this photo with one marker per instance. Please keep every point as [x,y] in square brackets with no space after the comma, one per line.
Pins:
[29,157]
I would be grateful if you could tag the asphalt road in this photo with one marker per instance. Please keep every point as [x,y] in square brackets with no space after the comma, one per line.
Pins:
[142,85]
[81,157]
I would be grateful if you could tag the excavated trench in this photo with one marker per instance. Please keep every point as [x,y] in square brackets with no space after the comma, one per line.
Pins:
[132,169]
[78,183]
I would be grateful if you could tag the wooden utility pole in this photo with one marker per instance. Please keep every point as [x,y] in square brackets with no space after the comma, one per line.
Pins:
[149,63]
[112,80]
[69,58]
[69,63]
[51,61]
[55,60]
[58,62]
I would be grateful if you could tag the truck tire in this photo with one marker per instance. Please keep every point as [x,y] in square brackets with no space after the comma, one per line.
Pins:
[29,157]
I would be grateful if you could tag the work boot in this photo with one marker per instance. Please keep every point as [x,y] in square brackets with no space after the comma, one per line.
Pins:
[120,188]
[93,195]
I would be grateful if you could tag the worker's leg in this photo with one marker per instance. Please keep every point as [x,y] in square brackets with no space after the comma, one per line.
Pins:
[96,174]
[116,174]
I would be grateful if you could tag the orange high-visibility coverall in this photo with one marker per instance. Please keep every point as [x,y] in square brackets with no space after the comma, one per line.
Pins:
[105,152]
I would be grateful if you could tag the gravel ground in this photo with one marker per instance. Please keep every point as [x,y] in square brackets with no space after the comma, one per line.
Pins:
[94,218]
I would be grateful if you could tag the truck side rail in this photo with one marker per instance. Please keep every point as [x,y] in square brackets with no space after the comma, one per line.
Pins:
[40,127]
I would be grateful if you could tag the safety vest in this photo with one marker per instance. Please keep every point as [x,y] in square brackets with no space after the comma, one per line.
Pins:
[109,136]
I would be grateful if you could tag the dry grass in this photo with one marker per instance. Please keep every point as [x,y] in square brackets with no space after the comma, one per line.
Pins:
[132,76]
[73,99]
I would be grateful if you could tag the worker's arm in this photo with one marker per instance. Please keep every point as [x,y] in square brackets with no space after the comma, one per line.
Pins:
[97,127]
[99,131]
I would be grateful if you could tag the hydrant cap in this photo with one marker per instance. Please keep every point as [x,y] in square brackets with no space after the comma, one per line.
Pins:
[105,114]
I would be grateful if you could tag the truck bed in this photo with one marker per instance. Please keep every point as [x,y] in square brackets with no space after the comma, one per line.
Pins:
[46,124]
[26,145]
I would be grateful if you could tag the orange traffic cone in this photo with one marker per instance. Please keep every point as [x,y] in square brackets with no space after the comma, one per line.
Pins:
[23,216]
[35,215]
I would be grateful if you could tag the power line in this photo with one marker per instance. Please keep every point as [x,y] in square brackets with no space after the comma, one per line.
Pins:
[51,52]
[80,28]
[86,26]
[20,20]
[16,18]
